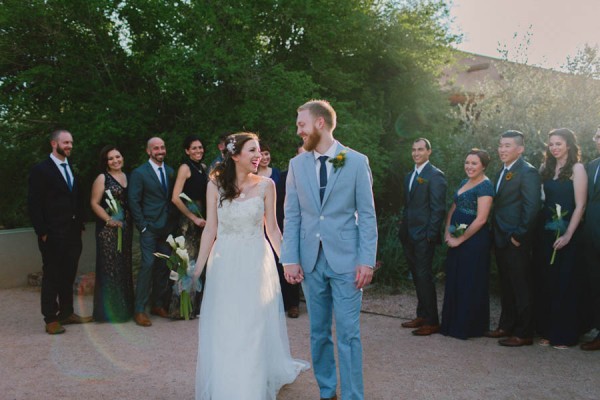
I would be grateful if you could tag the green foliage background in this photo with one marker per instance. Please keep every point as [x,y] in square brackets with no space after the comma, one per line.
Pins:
[122,71]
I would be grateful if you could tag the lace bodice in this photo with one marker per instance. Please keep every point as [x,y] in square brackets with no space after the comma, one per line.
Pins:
[466,202]
[244,216]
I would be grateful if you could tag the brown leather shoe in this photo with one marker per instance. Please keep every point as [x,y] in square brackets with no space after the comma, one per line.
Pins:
[426,330]
[293,312]
[161,312]
[497,334]
[141,319]
[593,345]
[515,341]
[54,328]
[76,319]
[329,398]
[415,323]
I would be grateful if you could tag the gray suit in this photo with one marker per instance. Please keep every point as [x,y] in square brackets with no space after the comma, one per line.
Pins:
[155,217]
[422,217]
[329,239]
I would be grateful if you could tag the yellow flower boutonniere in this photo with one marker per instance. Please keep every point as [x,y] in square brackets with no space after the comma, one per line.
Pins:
[509,176]
[421,181]
[339,160]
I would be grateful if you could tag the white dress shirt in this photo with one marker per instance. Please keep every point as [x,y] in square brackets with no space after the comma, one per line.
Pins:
[417,170]
[62,170]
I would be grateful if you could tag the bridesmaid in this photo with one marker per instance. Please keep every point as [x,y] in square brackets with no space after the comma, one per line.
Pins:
[113,293]
[263,168]
[466,310]
[564,183]
[192,180]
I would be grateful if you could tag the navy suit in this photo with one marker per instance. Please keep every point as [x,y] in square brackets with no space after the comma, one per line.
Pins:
[422,217]
[56,212]
[591,230]
[155,217]
[516,207]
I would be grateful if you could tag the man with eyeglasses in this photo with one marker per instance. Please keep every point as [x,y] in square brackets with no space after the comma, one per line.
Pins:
[592,244]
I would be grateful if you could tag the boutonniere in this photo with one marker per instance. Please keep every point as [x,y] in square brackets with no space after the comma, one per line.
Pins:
[339,160]
[421,181]
[509,176]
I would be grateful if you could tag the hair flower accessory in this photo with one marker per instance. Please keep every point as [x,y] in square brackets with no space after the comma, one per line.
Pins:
[339,160]
[231,146]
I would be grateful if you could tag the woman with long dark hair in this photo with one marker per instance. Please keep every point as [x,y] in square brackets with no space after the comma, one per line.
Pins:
[242,309]
[189,196]
[113,292]
[555,253]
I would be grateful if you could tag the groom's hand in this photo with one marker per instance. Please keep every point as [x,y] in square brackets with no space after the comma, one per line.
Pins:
[293,273]
[364,274]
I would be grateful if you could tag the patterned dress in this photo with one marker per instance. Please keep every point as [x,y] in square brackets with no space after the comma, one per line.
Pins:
[113,293]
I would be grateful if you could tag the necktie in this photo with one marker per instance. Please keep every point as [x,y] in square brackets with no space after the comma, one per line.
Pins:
[69,183]
[163,181]
[501,178]
[413,184]
[322,176]
[596,175]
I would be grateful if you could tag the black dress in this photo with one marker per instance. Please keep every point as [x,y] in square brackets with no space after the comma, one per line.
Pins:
[195,188]
[466,311]
[556,284]
[113,292]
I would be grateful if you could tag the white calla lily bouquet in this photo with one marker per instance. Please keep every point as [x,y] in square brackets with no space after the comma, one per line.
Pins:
[116,212]
[557,224]
[182,271]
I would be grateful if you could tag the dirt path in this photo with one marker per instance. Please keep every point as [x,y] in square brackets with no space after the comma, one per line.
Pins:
[124,361]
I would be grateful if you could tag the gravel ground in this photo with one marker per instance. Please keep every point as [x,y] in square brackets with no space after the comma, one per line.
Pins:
[124,361]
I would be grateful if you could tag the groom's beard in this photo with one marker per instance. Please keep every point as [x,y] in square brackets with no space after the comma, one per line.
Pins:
[312,140]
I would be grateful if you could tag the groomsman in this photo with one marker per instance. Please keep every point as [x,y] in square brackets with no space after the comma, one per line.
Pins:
[516,205]
[150,189]
[56,208]
[592,243]
[423,213]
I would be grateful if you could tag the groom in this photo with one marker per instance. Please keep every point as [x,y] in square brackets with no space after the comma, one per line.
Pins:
[329,242]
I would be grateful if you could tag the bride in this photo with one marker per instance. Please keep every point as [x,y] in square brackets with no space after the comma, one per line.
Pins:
[243,351]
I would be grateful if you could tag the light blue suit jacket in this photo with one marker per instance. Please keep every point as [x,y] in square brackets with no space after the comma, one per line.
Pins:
[345,222]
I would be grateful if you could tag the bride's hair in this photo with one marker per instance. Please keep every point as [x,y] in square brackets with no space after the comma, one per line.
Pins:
[224,173]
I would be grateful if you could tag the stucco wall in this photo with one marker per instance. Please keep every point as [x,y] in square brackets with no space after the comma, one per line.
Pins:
[19,255]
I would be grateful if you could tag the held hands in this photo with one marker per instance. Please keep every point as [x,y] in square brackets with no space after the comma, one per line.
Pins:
[454,242]
[293,273]
[112,223]
[364,275]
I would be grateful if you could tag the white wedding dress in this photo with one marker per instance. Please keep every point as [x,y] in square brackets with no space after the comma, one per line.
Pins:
[243,352]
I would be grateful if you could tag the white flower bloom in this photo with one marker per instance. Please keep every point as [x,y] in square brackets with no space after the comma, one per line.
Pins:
[463,226]
[161,255]
[231,147]
[180,240]
[183,254]
[558,210]
[171,242]
[174,276]
[185,197]
[109,194]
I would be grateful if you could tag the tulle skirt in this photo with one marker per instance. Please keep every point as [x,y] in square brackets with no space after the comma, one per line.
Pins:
[243,351]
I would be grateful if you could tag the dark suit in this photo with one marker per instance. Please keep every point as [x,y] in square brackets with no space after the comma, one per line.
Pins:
[516,208]
[155,217]
[591,230]
[424,210]
[57,212]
